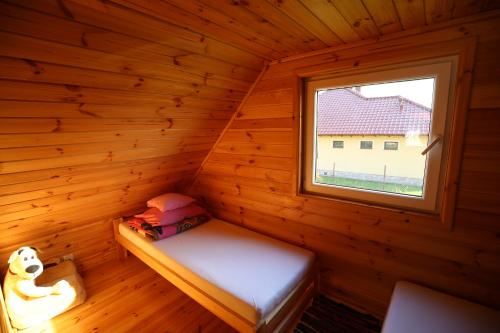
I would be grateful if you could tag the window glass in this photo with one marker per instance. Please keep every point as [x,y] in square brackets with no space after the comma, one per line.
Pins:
[377,111]
[366,145]
[391,145]
[338,144]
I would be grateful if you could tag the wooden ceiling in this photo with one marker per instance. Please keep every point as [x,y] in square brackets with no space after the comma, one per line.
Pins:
[274,29]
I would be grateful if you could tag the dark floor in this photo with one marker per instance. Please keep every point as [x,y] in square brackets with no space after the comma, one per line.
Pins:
[325,316]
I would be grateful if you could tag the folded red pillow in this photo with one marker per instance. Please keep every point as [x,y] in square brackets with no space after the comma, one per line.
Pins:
[179,214]
[170,201]
[155,217]
[152,216]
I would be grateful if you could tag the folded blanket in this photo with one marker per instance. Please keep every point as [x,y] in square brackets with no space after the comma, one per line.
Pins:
[155,217]
[157,232]
[152,216]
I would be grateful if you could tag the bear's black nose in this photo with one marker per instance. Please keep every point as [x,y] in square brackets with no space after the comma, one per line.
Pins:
[32,268]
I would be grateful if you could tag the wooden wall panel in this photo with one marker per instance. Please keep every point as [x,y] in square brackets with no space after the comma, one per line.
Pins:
[104,104]
[249,180]
[102,107]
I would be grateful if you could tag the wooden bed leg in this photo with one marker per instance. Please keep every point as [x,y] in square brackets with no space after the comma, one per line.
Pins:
[121,251]
[317,279]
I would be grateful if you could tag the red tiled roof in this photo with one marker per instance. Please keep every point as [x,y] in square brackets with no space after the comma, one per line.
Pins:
[344,111]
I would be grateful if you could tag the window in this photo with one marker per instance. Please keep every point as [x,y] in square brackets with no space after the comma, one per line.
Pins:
[338,144]
[366,145]
[390,145]
[408,103]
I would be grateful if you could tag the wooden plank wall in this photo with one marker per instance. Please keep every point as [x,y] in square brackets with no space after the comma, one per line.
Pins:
[363,251]
[101,108]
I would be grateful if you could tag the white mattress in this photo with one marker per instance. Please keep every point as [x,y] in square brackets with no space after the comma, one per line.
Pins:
[416,309]
[244,270]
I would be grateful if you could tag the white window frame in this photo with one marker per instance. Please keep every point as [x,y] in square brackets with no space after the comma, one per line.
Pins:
[444,71]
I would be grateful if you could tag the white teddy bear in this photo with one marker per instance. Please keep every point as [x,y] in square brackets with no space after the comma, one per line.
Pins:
[27,303]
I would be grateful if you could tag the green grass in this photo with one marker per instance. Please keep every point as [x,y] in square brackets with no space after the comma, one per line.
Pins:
[371,185]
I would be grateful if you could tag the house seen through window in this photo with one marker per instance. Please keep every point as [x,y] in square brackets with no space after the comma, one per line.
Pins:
[389,125]
[379,117]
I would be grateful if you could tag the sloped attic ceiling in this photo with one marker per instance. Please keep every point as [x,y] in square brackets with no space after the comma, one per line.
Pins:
[273,29]
[104,104]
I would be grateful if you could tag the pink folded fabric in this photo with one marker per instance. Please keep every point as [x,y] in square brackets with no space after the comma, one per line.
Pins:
[162,232]
[179,214]
[170,201]
[155,217]
[151,216]
[180,227]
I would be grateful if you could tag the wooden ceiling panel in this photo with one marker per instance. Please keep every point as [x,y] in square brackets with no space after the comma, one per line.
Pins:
[300,14]
[463,8]
[233,36]
[356,14]
[328,13]
[438,10]
[384,14]
[259,24]
[411,13]
[278,18]
[192,15]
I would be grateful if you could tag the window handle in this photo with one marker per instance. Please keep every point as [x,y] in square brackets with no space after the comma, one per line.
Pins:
[431,145]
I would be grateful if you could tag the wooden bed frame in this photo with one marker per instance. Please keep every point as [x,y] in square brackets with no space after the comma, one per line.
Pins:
[282,320]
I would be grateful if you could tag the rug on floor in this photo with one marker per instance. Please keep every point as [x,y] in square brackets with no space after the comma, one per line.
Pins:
[327,316]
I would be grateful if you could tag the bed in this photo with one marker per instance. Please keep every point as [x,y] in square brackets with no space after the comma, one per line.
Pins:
[415,309]
[252,282]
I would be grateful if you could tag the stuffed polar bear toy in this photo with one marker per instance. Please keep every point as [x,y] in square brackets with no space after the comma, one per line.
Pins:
[28,304]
